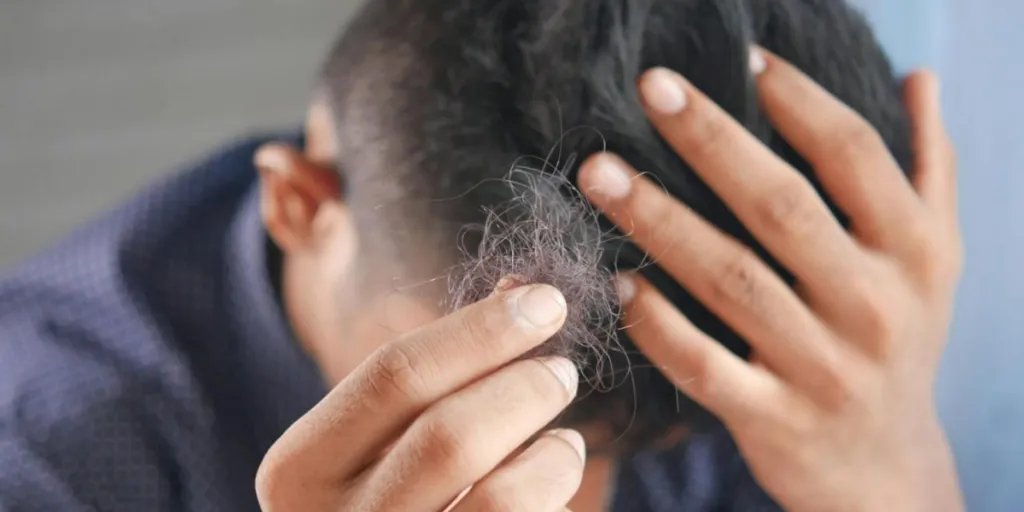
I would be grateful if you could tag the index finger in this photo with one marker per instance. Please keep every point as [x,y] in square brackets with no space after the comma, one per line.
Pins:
[361,416]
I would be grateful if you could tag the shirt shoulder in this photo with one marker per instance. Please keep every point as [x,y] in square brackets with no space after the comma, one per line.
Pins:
[77,431]
[92,312]
[84,423]
[100,403]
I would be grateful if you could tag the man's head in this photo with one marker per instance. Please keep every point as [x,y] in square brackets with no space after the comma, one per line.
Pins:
[426,106]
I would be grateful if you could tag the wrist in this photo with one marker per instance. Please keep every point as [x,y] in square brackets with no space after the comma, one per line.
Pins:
[929,481]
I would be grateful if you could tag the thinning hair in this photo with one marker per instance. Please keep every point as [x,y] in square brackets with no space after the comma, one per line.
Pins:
[438,100]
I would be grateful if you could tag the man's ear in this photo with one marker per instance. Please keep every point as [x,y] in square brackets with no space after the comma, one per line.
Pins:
[293,189]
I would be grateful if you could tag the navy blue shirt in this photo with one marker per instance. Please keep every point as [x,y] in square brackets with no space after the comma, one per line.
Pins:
[145,365]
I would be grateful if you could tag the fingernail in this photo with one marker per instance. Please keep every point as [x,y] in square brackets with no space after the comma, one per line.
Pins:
[757,62]
[540,306]
[507,283]
[574,439]
[564,371]
[610,179]
[626,288]
[662,92]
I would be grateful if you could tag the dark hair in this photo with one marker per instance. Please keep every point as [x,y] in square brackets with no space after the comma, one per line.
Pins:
[448,94]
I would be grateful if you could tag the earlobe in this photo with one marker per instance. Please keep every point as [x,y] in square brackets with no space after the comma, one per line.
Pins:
[292,191]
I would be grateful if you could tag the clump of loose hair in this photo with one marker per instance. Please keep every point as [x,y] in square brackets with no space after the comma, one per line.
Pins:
[545,234]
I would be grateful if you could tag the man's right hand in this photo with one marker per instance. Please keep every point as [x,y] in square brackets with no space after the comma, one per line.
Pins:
[436,412]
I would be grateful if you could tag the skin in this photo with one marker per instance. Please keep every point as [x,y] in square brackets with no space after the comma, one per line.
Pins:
[834,413]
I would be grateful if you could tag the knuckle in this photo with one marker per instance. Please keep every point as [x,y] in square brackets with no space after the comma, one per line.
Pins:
[930,254]
[789,210]
[875,319]
[800,418]
[835,387]
[449,447]
[867,294]
[274,489]
[268,492]
[803,422]
[855,141]
[703,381]
[737,280]
[395,374]
[923,237]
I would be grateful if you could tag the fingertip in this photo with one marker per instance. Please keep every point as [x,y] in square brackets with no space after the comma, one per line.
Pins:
[924,75]
[761,58]
[539,306]
[573,439]
[625,285]
[922,88]
[662,91]
[758,63]
[605,176]
[565,371]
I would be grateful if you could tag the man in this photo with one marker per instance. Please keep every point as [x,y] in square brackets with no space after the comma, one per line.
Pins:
[158,357]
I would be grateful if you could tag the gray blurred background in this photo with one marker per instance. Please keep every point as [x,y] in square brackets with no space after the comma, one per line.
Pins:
[99,96]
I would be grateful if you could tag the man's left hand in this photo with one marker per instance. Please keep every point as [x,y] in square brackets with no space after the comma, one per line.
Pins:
[836,410]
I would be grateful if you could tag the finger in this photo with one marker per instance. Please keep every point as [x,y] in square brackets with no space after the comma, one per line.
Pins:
[699,366]
[544,478]
[465,436]
[849,157]
[934,162]
[728,278]
[388,390]
[777,204]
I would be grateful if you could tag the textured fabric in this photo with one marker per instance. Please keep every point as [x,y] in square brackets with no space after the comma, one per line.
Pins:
[145,365]
[707,474]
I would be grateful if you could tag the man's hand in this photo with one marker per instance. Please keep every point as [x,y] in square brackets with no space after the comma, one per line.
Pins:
[836,411]
[436,412]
